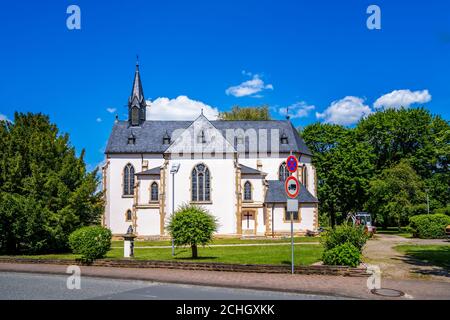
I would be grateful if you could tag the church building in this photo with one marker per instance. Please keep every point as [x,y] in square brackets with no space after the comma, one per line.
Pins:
[234,169]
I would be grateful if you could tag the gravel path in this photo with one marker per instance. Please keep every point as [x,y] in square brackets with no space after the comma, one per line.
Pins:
[395,265]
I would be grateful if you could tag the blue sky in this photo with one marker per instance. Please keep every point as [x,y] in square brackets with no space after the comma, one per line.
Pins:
[318,57]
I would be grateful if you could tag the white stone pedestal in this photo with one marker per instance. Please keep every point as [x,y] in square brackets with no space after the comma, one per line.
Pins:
[128,245]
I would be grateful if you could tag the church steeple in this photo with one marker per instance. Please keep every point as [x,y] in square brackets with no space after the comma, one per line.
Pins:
[136,102]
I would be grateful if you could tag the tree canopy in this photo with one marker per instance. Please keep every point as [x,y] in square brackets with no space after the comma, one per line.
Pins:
[246,113]
[45,190]
[363,167]
[192,225]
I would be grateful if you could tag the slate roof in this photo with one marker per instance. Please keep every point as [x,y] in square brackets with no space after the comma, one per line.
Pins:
[149,136]
[150,172]
[248,170]
[277,194]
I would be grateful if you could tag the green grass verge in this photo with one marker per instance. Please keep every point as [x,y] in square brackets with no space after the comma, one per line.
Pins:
[395,231]
[137,243]
[438,255]
[304,255]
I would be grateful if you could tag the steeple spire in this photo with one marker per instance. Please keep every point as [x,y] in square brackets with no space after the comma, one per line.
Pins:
[136,102]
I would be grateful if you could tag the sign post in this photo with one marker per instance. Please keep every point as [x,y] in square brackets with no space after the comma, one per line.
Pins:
[292,206]
[292,188]
[173,170]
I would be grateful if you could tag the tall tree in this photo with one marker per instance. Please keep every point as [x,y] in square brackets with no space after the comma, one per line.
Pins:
[395,194]
[344,168]
[45,191]
[414,135]
[246,113]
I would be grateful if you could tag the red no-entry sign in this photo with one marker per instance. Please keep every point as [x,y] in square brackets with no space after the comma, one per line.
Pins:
[292,187]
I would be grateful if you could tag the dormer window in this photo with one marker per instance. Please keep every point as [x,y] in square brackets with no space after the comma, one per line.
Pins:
[166,138]
[131,139]
[284,139]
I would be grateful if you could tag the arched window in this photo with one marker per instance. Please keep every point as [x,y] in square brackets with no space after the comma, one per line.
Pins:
[154,192]
[128,180]
[247,191]
[128,216]
[134,116]
[283,172]
[305,176]
[200,183]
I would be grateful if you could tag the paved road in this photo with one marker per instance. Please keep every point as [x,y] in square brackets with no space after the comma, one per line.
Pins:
[18,286]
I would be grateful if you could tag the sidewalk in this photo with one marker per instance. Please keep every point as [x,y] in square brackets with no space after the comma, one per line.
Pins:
[352,287]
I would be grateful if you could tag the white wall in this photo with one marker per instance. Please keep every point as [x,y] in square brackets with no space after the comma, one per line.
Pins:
[148,222]
[223,197]
[306,219]
[117,204]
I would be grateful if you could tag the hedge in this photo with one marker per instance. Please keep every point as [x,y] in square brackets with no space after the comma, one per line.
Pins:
[429,226]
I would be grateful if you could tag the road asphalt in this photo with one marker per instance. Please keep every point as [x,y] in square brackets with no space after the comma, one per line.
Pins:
[31,286]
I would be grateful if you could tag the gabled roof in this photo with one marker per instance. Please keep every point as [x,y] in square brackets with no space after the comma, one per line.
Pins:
[201,137]
[149,135]
[277,194]
[248,170]
[150,172]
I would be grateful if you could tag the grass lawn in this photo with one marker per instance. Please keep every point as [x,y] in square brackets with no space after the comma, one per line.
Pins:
[395,231]
[438,255]
[304,255]
[119,243]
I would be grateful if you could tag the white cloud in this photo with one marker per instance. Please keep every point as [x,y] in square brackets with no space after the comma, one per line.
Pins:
[180,108]
[402,98]
[297,110]
[3,117]
[346,111]
[111,110]
[249,87]
[98,119]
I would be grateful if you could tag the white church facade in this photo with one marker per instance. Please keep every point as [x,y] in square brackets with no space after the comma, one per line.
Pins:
[234,169]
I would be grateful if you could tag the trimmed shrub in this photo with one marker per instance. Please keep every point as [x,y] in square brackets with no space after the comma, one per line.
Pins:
[345,234]
[342,255]
[429,226]
[91,242]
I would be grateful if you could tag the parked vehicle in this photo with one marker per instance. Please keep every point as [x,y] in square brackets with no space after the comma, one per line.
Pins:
[362,219]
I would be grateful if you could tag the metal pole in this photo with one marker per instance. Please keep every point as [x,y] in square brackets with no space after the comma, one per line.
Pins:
[292,242]
[173,209]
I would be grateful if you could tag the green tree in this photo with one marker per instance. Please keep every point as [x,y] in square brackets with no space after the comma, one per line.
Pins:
[414,135]
[192,225]
[344,168]
[45,190]
[246,113]
[396,194]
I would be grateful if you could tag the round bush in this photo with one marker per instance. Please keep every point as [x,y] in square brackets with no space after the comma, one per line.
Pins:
[345,234]
[91,242]
[429,226]
[342,255]
[192,225]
